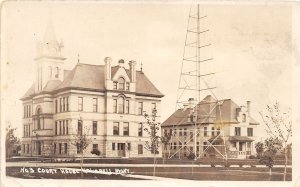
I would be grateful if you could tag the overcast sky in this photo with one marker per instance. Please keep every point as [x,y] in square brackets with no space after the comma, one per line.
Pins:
[251,47]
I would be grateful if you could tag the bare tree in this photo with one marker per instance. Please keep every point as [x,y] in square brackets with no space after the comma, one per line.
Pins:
[81,140]
[279,125]
[152,131]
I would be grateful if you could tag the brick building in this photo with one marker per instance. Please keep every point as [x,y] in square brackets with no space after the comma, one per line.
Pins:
[106,102]
[235,122]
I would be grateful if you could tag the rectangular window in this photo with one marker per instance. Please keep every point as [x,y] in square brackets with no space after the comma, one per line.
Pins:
[127,107]
[115,106]
[59,148]
[175,145]
[185,132]
[140,149]
[218,132]
[191,136]
[127,85]
[95,128]
[64,128]
[56,106]
[67,128]
[204,146]
[95,105]
[80,103]
[126,129]
[54,148]
[212,131]
[56,124]
[66,148]
[79,127]
[197,147]
[140,108]
[237,131]
[60,127]
[95,147]
[250,131]
[180,132]
[60,105]
[113,146]
[67,103]
[128,146]
[140,129]
[64,104]
[24,112]
[153,106]
[115,85]
[205,131]
[116,128]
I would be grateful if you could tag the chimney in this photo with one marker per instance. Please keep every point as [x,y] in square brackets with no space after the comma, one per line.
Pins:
[191,102]
[121,63]
[248,107]
[107,72]
[132,65]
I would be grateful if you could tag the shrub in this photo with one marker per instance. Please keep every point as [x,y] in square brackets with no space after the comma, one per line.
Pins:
[96,152]
[252,157]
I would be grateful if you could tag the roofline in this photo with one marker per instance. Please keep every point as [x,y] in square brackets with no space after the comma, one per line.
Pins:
[84,89]
[186,124]
[51,57]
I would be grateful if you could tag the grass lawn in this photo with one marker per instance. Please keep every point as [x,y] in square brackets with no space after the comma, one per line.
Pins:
[196,173]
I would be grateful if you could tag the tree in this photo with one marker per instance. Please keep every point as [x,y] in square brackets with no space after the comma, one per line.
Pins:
[279,126]
[81,140]
[259,146]
[165,139]
[10,140]
[269,149]
[152,131]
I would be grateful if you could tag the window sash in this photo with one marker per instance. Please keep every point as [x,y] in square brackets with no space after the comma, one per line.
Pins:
[95,127]
[116,128]
[140,129]
[79,127]
[126,129]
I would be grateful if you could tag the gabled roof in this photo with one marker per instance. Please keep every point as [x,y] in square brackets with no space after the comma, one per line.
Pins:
[91,77]
[208,111]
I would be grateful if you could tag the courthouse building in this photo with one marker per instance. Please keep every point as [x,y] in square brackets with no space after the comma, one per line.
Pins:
[105,102]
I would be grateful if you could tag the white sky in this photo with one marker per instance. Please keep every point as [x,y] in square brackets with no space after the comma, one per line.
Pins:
[251,47]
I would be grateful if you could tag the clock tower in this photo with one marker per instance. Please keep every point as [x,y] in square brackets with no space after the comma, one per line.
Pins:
[49,60]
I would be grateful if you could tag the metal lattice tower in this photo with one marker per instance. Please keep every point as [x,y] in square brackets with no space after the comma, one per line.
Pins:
[196,82]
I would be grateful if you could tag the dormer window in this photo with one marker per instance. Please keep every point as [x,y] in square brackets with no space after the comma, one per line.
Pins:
[121,82]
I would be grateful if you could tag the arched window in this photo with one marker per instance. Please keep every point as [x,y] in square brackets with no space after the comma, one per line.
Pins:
[38,113]
[50,71]
[121,82]
[56,72]
[121,102]
[244,117]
